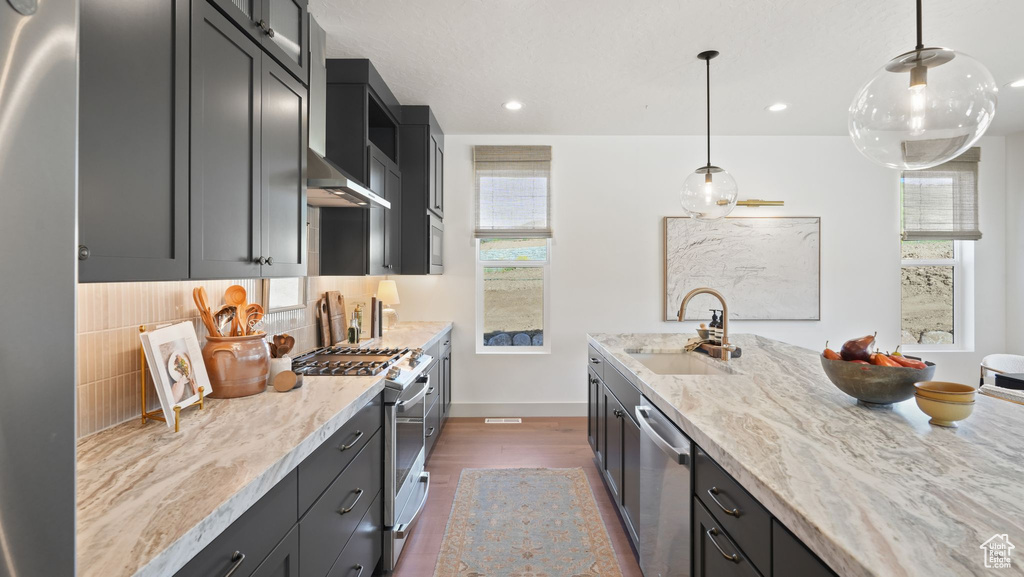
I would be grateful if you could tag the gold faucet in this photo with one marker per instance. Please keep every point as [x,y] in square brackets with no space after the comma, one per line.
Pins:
[724,351]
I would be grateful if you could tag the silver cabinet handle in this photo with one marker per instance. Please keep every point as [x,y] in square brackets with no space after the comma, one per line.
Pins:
[237,558]
[594,361]
[680,455]
[359,495]
[711,535]
[431,433]
[712,492]
[418,396]
[359,435]
[360,568]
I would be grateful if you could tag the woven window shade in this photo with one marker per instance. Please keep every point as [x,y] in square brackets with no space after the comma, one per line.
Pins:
[941,203]
[513,191]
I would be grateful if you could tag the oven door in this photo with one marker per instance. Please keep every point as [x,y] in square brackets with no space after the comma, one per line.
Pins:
[436,245]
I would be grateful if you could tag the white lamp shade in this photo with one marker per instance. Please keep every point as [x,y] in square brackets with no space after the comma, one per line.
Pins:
[387,292]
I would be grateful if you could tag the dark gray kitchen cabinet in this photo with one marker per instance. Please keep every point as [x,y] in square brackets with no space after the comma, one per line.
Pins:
[631,475]
[133,140]
[422,151]
[283,170]
[281,27]
[593,394]
[791,557]
[714,553]
[614,415]
[248,150]
[250,539]
[446,378]
[283,561]
[362,241]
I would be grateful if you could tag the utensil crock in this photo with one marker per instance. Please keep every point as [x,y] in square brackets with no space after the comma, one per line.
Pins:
[237,366]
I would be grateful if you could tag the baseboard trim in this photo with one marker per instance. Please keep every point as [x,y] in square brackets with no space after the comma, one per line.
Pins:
[519,410]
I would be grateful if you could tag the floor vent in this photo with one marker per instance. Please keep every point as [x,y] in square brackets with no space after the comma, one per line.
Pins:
[515,421]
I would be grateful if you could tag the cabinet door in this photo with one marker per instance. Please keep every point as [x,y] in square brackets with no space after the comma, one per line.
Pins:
[286,34]
[378,171]
[602,425]
[283,561]
[393,221]
[631,475]
[439,183]
[714,553]
[225,211]
[593,384]
[283,168]
[133,140]
[613,452]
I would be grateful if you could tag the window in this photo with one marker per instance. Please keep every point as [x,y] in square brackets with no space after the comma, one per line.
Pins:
[940,218]
[513,247]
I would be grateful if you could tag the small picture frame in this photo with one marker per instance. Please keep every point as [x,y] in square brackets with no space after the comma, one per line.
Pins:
[176,365]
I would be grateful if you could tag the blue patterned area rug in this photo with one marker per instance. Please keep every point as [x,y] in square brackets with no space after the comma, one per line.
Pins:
[525,523]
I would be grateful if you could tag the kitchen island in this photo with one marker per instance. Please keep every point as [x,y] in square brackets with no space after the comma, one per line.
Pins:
[150,499]
[872,492]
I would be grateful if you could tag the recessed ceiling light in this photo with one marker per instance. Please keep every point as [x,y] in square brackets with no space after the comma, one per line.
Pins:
[777,107]
[512,105]
[1017,83]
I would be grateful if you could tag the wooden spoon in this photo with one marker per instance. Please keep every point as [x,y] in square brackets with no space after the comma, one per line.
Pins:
[204,312]
[234,296]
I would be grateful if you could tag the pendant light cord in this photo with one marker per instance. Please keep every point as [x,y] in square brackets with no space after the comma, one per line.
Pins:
[708,62]
[920,41]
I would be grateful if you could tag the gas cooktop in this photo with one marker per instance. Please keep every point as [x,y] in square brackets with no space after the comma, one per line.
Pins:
[341,360]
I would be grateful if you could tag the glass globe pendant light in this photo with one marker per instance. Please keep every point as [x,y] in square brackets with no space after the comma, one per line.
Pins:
[709,193]
[923,108]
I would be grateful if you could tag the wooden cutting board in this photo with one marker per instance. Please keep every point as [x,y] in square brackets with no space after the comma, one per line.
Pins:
[324,320]
[336,308]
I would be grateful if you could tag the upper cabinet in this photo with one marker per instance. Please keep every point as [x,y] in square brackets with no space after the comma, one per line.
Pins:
[133,140]
[361,110]
[422,152]
[281,27]
[193,147]
[248,147]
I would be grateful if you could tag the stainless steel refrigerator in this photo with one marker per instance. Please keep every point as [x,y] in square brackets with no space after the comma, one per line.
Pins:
[38,158]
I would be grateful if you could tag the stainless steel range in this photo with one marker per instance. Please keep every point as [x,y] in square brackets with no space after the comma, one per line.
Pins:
[349,361]
[406,484]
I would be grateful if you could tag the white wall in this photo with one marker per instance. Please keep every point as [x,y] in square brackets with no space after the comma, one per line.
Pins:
[610,195]
[1015,243]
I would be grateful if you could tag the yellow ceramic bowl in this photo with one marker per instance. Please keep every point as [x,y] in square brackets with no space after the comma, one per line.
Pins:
[944,413]
[943,391]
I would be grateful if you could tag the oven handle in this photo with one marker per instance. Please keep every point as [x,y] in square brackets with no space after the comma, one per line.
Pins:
[402,531]
[419,395]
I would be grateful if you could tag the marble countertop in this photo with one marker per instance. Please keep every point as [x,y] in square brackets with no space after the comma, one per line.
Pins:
[149,499]
[873,492]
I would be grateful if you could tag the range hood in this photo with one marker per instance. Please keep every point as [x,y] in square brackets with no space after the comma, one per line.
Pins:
[326,183]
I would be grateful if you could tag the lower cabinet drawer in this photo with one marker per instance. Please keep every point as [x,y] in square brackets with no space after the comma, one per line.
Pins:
[283,561]
[248,541]
[746,521]
[323,466]
[434,388]
[327,527]
[714,553]
[432,428]
[364,549]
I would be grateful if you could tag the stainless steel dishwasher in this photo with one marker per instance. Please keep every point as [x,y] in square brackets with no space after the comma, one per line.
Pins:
[665,494]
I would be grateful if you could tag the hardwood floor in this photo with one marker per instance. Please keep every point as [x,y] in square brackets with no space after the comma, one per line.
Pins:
[537,442]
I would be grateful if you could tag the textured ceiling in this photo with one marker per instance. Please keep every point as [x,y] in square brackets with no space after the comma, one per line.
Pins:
[630,67]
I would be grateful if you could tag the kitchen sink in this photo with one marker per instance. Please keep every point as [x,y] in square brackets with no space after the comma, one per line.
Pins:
[675,363]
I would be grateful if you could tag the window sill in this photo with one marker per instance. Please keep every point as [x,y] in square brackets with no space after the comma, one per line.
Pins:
[514,351]
[933,349]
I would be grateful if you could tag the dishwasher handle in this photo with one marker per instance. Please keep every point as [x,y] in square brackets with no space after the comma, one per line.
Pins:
[680,455]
